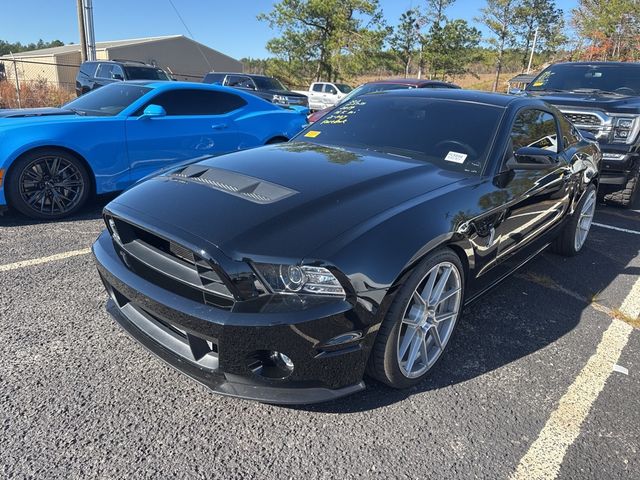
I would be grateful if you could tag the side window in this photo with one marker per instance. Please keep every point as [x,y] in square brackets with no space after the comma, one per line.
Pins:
[569,134]
[317,87]
[330,89]
[104,70]
[240,82]
[534,128]
[195,102]
[88,69]
[117,70]
[213,78]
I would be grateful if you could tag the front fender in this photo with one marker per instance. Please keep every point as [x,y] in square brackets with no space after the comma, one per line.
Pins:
[100,142]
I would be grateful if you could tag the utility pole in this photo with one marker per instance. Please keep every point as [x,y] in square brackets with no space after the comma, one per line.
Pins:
[88,25]
[533,49]
[83,36]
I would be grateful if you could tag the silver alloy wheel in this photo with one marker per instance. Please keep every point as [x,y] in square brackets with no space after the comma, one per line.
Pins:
[585,219]
[428,320]
[51,185]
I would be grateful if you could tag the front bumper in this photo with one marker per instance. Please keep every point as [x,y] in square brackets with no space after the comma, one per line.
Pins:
[218,347]
[616,171]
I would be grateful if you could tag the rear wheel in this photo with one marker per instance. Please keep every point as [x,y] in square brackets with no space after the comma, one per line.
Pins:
[420,321]
[574,234]
[48,184]
[625,196]
[274,140]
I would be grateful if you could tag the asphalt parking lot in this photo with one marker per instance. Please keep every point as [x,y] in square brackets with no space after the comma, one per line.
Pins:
[527,387]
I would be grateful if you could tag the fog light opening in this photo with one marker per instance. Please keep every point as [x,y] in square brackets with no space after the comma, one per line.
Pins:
[270,364]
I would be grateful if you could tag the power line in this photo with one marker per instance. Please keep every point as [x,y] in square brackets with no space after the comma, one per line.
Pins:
[191,34]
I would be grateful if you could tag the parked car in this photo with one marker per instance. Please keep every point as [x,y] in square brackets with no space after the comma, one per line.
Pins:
[352,248]
[93,75]
[325,94]
[381,86]
[269,88]
[52,159]
[604,99]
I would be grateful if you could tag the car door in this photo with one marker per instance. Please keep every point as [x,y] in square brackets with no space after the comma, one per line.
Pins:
[315,96]
[330,97]
[197,122]
[537,199]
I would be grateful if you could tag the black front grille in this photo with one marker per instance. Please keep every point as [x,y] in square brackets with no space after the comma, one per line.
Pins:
[584,119]
[171,266]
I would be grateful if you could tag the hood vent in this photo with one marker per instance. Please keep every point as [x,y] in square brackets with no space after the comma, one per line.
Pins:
[243,186]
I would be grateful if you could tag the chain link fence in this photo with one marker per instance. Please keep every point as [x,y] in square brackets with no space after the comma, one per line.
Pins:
[41,83]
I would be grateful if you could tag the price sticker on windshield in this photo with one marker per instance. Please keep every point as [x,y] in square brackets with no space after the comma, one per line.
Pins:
[455,157]
[312,134]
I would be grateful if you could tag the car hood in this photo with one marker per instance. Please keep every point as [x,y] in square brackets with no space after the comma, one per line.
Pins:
[32,112]
[289,198]
[591,101]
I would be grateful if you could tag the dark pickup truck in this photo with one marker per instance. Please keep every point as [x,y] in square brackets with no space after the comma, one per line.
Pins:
[269,88]
[604,99]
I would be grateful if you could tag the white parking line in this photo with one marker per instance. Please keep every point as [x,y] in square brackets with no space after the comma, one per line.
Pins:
[610,227]
[544,457]
[38,261]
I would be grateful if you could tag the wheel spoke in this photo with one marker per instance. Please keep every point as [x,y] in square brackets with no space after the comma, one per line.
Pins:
[418,298]
[435,334]
[409,334]
[439,288]
[446,296]
[423,350]
[431,280]
[444,316]
[413,353]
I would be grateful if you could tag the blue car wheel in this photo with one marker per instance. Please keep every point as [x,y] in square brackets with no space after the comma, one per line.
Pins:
[48,184]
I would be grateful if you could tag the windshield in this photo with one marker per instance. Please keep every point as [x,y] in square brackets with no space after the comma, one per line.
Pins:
[614,78]
[450,134]
[268,83]
[145,73]
[108,100]
[373,87]
[343,87]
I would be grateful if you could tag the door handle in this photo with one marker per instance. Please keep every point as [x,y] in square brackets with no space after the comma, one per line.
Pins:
[219,126]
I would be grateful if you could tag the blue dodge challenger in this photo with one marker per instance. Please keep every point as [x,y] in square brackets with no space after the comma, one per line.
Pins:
[53,159]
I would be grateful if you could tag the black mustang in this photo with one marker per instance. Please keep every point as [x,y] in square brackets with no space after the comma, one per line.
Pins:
[284,273]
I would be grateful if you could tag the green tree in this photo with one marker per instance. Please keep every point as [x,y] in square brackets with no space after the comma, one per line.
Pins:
[8,47]
[334,37]
[544,17]
[609,28]
[432,44]
[459,48]
[500,17]
[405,38]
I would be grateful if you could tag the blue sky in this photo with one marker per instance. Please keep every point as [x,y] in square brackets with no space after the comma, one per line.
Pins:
[228,26]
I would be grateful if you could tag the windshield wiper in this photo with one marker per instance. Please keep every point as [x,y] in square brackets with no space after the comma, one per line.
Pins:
[77,112]
[596,90]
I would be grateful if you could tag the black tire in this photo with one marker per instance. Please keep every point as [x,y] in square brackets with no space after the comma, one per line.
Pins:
[384,364]
[626,195]
[55,178]
[565,242]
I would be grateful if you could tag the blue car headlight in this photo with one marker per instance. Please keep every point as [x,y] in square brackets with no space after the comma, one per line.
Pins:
[299,279]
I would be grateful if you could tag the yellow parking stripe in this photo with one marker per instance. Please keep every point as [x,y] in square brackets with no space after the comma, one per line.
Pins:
[41,260]
[544,457]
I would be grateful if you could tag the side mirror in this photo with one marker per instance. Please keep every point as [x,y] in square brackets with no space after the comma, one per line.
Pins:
[515,91]
[532,158]
[587,135]
[117,76]
[153,111]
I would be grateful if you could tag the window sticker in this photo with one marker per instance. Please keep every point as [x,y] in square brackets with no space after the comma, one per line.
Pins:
[455,157]
[312,133]
[538,84]
[341,114]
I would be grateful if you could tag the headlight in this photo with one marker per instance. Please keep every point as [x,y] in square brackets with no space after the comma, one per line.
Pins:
[625,129]
[280,100]
[299,279]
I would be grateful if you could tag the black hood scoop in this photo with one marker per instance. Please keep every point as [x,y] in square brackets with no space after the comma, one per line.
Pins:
[237,184]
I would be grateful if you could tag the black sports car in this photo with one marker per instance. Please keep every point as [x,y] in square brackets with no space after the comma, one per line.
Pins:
[284,273]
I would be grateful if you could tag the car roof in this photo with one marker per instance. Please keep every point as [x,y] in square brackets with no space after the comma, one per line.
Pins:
[252,75]
[408,81]
[133,63]
[474,96]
